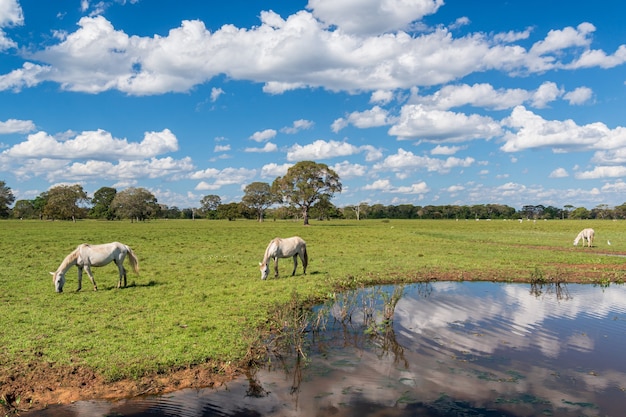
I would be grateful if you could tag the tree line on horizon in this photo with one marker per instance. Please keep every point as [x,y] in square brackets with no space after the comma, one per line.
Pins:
[304,192]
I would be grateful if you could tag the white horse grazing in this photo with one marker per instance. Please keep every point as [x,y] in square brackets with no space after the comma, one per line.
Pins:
[284,248]
[585,235]
[85,256]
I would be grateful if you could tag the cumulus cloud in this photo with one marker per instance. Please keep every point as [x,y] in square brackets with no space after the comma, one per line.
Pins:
[369,52]
[580,95]
[349,170]
[529,130]
[297,126]
[406,160]
[274,170]
[16,126]
[98,144]
[602,172]
[320,149]
[216,93]
[385,186]
[10,15]
[374,117]
[418,122]
[559,173]
[264,135]
[221,178]
[446,150]
[55,170]
[268,147]
[372,16]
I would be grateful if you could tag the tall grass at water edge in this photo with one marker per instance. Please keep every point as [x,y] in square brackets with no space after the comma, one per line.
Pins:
[199,295]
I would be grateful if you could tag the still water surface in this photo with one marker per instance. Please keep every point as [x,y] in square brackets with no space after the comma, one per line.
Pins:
[446,349]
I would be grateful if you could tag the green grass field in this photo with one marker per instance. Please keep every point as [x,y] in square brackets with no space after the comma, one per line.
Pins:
[199,296]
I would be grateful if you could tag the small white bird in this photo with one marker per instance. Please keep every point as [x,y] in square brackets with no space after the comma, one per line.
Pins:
[608,242]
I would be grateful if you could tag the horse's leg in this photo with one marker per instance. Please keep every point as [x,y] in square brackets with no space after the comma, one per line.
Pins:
[275,267]
[80,278]
[122,272]
[295,264]
[93,281]
[304,262]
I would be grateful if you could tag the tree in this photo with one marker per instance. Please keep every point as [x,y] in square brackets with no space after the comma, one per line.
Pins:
[24,209]
[258,196]
[134,204]
[304,184]
[66,202]
[229,211]
[102,200]
[6,199]
[209,205]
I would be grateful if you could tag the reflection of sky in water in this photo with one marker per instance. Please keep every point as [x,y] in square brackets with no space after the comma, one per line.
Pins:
[490,346]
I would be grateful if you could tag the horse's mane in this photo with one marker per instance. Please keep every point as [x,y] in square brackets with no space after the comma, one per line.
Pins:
[69,260]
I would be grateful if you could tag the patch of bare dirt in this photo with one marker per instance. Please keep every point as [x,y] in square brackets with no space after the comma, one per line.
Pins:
[36,385]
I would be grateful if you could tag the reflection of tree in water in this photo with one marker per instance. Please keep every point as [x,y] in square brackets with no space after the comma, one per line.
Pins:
[362,319]
[559,289]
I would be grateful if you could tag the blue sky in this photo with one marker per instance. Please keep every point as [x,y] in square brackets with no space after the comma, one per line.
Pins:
[409,101]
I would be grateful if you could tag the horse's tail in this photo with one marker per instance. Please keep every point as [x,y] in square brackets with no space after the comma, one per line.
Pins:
[134,262]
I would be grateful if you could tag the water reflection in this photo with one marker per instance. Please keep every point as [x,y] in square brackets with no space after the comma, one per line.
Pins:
[440,349]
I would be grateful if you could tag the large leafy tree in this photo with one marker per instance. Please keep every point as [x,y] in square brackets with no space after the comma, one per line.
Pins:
[6,199]
[66,202]
[24,209]
[135,204]
[258,196]
[306,183]
[209,205]
[102,200]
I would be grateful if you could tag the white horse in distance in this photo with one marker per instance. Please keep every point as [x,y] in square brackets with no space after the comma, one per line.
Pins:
[586,235]
[284,248]
[85,256]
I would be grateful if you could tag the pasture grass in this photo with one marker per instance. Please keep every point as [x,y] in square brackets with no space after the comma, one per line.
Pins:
[199,296]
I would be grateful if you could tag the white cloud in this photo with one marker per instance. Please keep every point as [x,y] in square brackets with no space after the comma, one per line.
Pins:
[216,93]
[418,122]
[16,126]
[385,186]
[274,170]
[10,15]
[559,173]
[405,160]
[569,37]
[602,172]
[579,96]
[224,177]
[320,149]
[374,117]
[264,135]
[545,94]
[221,148]
[297,126]
[268,147]
[446,150]
[532,131]
[381,96]
[296,52]
[372,16]
[97,144]
[347,170]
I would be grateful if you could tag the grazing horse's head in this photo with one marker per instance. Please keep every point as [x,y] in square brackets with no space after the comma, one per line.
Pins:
[265,269]
[58,279]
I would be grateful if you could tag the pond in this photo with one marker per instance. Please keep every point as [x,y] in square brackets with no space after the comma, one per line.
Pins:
[433,349]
